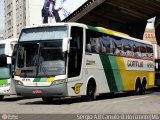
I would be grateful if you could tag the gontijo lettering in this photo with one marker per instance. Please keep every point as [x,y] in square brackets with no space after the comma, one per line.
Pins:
[133,63]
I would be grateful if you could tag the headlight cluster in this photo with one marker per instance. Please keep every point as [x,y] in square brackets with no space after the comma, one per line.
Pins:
[58,81]
[17,82]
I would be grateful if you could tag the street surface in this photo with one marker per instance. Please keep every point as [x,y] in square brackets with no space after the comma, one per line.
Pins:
[105,104]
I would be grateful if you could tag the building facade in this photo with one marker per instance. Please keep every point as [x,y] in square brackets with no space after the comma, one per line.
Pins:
[20,13]
[149,35]
[1,36]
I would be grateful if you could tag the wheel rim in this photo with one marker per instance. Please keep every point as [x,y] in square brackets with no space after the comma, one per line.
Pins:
[138,90]
[90,93]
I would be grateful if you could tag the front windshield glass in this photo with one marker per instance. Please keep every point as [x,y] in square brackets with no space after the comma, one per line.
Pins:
[43,33]
[41,59]
[4,72]
[4,68]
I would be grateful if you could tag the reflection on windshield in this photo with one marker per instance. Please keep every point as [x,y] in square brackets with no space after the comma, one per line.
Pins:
[4,72]
[42,59]
[2,49]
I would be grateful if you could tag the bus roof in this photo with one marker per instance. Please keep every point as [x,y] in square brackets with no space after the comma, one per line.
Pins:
[97,29]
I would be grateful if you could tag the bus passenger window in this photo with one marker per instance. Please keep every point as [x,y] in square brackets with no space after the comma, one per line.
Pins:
[149,51]
[89,47]
[143,51]
[136,50]
[118,47]
[95,45]
[106,42]
[127,47]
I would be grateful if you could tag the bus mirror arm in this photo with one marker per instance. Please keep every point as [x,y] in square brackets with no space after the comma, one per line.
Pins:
[66,44]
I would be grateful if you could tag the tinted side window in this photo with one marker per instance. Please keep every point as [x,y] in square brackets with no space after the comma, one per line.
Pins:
[106,42]
[127,47]
[143,51]
[136,50]
[93,42]
[117,45]
[149,51]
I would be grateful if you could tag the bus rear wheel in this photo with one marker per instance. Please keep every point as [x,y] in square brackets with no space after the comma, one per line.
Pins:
[140,88]
[1,97]
[47,99]
[144,86]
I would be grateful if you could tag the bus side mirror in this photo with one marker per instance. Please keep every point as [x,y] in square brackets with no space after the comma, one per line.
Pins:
[9,60]
[66,44]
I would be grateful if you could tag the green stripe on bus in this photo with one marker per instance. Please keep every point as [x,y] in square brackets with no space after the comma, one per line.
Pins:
[93,28]
[106,62]
[43,80]
[36,79]
[3,81]
[116,73]
[96,29]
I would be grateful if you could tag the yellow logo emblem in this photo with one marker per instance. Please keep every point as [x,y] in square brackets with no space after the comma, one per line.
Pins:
[77,87]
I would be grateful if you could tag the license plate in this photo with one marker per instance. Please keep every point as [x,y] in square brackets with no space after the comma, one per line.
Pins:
[37,91]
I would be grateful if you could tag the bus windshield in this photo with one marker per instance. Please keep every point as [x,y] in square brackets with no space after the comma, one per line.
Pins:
[43,33]
[42,59]
[4,68]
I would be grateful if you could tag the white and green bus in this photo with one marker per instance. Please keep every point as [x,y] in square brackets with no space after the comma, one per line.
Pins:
[72,59]
[6,82]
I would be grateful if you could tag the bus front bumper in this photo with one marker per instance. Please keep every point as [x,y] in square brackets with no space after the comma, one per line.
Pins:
[59,90]
[5,90]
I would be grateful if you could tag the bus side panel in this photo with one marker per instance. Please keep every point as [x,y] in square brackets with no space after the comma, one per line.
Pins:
[131,69]
[112,72]
[93,68]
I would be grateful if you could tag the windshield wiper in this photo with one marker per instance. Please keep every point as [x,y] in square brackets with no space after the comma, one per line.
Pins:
[38,62]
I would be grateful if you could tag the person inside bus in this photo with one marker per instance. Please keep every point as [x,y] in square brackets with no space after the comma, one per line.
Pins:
[119,52]
[95,47]
[89,47]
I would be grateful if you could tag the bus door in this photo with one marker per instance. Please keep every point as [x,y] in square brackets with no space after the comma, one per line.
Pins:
[76,50]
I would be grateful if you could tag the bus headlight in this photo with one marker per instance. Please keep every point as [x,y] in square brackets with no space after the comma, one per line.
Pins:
[58,81]
[17,82]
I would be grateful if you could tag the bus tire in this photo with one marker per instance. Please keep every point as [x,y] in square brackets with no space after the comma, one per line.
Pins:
[138,87]
[143,86]
[1,97]
[91,90]
[47,99]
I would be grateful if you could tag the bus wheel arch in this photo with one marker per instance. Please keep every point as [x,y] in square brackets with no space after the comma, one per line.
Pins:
[91,90]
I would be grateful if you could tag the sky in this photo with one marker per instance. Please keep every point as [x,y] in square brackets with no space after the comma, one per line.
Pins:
[2,16]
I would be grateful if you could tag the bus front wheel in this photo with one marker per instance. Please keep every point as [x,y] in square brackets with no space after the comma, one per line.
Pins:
[91,89]
[1,97]
[47,99]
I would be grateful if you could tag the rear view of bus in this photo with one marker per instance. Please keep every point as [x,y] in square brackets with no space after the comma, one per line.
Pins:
[6,83]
